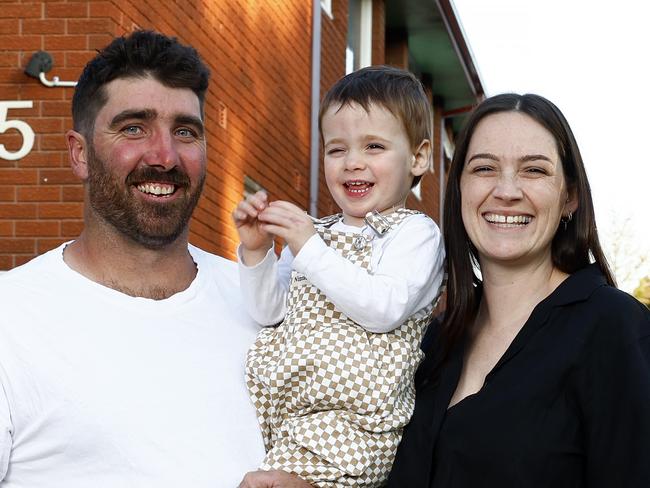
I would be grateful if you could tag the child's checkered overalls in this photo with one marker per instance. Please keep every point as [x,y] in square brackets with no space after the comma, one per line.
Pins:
[331,397]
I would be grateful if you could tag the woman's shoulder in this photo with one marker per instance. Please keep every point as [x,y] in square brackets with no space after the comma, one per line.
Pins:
[618,317]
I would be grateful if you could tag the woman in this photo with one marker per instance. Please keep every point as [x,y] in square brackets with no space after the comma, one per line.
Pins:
[540,372]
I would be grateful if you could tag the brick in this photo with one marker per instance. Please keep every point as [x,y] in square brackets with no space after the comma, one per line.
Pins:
[91,26]
[10,92]
[7,193]
[71,228]
[65,42]
[72,193]
[49,142]
[37,159]
[21,11]
[105,9]
[33,90]
[54,108]
[67,10]
[6,262]
[17,210]
[99,41]
[12,140]
[78,58]
[60,211]
[57,177]
[18,176]
[39,194]
[17,245]
[11,75]
[9,59]
[47,125]
[43,27]
[21,259]
[9,26]
[44,245]
[12,42]
[35,228]
[6,228]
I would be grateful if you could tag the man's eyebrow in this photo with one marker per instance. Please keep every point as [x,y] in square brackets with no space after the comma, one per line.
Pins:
[483,156]
[143,114]
[190,120]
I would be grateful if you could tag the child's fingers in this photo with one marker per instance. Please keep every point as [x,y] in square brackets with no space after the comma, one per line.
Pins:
[286,217]
[259,200]
[287,206]
[245,212]
[277,230]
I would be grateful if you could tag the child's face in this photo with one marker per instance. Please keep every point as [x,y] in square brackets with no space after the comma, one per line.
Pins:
[369,161]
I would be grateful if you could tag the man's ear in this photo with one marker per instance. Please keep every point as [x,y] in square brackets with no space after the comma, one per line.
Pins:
[78,153]
[421,160]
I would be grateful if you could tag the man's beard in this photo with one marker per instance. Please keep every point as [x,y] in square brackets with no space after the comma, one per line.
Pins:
[154,225]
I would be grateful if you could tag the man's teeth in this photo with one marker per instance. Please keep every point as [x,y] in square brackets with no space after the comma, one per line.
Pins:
[156,189]
[508,219]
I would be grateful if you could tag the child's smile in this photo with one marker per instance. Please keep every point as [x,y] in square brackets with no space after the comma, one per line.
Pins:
[369,161]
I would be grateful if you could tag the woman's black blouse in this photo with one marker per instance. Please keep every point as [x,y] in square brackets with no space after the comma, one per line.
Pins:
[568,404]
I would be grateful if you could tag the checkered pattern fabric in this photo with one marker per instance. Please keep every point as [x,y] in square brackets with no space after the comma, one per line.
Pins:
[331,397]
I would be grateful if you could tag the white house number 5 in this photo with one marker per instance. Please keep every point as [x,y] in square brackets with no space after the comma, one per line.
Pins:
[23,127]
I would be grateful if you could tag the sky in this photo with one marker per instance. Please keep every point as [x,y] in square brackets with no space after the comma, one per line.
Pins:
[590,58]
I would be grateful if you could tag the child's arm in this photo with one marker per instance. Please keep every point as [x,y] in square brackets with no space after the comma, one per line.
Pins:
[263,281]
[255,241]
[265,286]
[406,279]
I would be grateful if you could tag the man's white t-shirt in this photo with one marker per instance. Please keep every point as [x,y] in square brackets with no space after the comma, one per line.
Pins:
[100,389]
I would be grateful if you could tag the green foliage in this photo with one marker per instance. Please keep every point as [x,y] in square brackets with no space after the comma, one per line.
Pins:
[642,292]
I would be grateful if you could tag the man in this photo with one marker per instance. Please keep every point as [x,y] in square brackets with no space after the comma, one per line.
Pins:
[121,352]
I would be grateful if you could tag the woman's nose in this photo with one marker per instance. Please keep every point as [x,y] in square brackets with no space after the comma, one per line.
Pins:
[508,187]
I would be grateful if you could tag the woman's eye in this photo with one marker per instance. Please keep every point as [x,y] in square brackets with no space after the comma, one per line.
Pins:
[536,170]
[482,169]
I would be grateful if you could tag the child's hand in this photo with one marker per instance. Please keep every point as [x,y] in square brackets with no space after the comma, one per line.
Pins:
[289,222]
[255,240]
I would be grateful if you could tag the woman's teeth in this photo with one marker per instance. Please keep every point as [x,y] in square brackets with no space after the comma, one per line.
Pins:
[508,219]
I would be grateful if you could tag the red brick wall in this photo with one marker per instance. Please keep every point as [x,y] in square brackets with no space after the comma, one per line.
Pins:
[40,201]
[260,57]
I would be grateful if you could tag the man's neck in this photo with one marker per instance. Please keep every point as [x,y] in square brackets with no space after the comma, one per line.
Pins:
[130,268]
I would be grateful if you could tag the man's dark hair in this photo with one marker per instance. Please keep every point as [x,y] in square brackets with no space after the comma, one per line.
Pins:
[138,55]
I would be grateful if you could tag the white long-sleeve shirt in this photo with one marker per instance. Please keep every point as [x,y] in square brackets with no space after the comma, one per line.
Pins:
[405,276]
